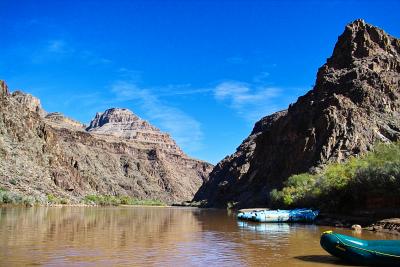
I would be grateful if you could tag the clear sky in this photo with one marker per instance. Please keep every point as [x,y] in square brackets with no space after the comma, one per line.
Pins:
[204,71]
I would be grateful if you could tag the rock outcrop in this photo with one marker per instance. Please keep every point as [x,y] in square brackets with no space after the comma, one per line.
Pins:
[29,101]
[122,123]
[58,120]
[354,104]
[3,88]
[120,154]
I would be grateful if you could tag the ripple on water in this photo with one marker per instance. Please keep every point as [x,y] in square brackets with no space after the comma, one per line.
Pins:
[140,236]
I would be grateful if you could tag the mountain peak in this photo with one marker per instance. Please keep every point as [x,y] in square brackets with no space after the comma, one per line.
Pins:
[113,115]
[354,104]
[357,23]
[123,123]
[362,40]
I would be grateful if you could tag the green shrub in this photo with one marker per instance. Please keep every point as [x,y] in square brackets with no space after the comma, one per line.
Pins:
[7,197]
[102,200]
[344,185]
[28,201]
[91,198]
[106,200]
[64,201]
[52,199]
[125,200]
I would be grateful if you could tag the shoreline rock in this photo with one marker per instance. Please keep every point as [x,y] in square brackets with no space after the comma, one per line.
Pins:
[359,223]
[391,225]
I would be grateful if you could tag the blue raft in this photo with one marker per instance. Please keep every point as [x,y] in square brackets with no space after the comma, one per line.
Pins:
[296,215]
[359,251]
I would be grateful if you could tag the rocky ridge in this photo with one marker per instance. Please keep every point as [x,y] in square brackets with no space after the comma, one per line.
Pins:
[28,100]
[42,154]
[122,123]
[354,104]
[58,120]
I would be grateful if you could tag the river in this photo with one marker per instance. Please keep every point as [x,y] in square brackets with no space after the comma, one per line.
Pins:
[155,236]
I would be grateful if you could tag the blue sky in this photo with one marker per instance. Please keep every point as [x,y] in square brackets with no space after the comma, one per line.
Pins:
[204,71]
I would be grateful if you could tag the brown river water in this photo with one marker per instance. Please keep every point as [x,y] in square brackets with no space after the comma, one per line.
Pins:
[155,236]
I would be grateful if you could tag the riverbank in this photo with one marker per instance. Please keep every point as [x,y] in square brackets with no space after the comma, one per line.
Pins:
[383,222]
[368,221]
[391,226]
[375,224]
[81,205]
[8,198]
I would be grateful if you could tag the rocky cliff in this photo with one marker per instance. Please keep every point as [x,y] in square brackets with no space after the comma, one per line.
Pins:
[118,154]
[29,101]
[58,120]
[354,104]
[122,123]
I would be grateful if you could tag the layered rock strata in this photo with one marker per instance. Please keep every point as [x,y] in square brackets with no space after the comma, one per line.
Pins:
[122,123]
[120,154]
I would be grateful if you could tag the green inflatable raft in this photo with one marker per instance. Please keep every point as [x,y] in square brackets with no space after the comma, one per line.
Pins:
[358,251]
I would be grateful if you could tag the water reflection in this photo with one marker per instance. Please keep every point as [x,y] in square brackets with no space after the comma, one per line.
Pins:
[265,228]
[135,236]
[56,236]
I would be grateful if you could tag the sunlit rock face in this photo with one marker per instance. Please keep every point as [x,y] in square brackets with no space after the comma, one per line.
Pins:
[354,104]
[118,154]
[124,124]
[29,101]
[58,120]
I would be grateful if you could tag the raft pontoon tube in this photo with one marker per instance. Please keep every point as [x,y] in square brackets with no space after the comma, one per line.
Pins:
[248,215]
[296,215]
[359,251]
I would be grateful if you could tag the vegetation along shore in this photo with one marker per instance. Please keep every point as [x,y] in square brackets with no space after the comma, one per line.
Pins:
[14,199]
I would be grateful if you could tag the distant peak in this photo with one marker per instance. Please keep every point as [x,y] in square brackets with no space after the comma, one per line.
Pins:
[121,114]
[122,123]
[113,115]
[118,109]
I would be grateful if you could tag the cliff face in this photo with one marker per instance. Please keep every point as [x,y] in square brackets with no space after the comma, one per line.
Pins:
[29,101]
[122,123]
[354,104]
[119,154]
[58,120]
